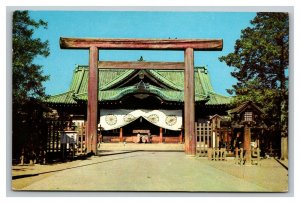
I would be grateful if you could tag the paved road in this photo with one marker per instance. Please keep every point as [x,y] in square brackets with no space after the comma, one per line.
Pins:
[154,171]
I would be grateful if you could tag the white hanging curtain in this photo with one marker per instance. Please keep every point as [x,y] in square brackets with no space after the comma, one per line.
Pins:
[116,118]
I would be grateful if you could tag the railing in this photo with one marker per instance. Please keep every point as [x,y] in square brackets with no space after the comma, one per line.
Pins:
[240,156]
[216,154]
[255,156]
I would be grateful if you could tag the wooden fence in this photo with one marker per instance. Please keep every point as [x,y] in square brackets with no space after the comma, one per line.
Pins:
[81,140]
[53,135]
[209,138]
[55,149]
[204,138]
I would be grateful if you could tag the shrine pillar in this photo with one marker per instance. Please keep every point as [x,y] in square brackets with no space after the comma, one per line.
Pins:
[160,135]
[180,137]
[121,135]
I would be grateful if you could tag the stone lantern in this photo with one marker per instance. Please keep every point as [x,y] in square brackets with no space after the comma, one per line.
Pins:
[247,115]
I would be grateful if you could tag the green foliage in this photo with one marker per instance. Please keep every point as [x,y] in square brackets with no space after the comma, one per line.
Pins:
[262,52]
[27,76]
[28,91]
[260,60]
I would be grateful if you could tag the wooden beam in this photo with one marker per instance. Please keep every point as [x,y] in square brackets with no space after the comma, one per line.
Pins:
[189,102]
[140,65]
[142,44]
[92,108]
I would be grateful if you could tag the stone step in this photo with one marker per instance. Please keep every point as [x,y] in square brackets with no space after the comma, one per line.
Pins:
[141,146]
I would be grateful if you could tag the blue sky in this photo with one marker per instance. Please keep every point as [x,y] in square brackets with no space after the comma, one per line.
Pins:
[104,24]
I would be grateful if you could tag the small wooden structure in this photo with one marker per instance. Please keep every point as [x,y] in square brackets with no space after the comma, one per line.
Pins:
[246,114]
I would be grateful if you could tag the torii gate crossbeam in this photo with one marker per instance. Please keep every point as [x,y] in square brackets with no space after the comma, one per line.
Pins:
[186,45]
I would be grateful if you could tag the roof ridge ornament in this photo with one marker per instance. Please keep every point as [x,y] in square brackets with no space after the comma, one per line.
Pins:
[142,86]
[141,75]
[141,59]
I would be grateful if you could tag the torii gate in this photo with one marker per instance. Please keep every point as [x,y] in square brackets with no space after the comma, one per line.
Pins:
[186,45]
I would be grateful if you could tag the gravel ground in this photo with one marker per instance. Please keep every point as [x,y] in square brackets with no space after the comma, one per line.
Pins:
[151,171]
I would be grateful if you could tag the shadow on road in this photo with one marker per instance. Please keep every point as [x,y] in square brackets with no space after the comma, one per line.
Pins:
[110,153]
[284,166]
[53,171]
[25,176]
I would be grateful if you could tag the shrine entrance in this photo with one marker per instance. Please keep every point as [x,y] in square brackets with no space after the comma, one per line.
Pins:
[141,126]
[186,45]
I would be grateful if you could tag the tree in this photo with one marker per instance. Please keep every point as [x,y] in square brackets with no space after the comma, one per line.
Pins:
[28,78]
[260,60]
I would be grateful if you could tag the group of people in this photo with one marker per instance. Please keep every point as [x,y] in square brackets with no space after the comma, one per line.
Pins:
[143,138]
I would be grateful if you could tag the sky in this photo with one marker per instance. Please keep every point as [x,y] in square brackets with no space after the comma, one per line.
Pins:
[140,24]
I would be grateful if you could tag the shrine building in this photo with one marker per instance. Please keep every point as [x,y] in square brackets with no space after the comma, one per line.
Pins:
[139,105]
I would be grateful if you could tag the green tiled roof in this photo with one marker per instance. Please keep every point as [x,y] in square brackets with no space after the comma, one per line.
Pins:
[64,98]
[110,86]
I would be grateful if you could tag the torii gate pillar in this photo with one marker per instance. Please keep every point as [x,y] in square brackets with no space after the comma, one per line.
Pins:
[189,102]
[186,45]
[92,107]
